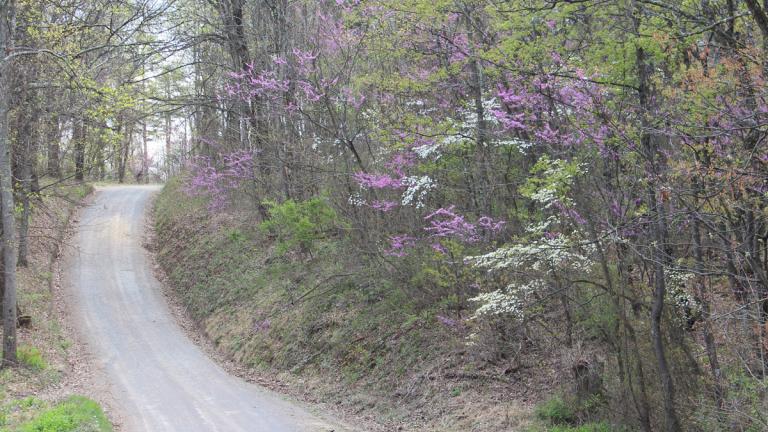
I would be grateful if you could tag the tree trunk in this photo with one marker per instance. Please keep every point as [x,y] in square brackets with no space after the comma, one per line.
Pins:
[183,150]
[477,87]
[619,298]
[231,12]
[145,159]
[27,143]
[26,161]
[54,149]
[709,339]
[7,17]
[78,136]
[125,151]
[168,130]
[659,253]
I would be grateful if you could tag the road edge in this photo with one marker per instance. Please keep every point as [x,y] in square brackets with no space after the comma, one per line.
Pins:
[82,376]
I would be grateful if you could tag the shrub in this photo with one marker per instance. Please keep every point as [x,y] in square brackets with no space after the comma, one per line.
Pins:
[299,224]
[556,411]
[30,356]
[588,427]
[76,413]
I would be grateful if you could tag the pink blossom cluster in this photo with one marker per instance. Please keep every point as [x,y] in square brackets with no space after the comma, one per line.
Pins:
[270,83]
[556,111]
[398,164]
[399,245]
[250,83]
[378,181]
[446,223]
[216,180]
[384,205]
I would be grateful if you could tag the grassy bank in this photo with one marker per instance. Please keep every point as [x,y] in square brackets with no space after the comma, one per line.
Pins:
[43,345]
[74,414]
[339,328]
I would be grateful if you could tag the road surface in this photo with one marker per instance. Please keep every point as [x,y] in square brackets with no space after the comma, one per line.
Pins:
[158,379]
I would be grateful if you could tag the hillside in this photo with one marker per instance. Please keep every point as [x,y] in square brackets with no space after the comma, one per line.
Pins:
[335,327]
[338,328]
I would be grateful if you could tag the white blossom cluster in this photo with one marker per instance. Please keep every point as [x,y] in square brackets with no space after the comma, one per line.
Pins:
[541,227]
[678,278]
[497,303]
[427,150]
[416,102]
[465,127]
[469,115]
[677,281]
[521,145]
[555,170]
[471,339]
[547,252]
[454,138]
[511,301]
[545,196]
[418,187]
[356,200]
[422,107]
[539,255]
[316,141]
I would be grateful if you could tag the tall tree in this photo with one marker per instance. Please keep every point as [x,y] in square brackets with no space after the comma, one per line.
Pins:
[7,25]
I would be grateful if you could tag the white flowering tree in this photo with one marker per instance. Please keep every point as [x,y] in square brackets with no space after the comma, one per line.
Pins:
[539,266]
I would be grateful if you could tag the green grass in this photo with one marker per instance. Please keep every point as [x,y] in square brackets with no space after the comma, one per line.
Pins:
[559,414]
[31,357]
[556,411]
[76,413]
[589,427]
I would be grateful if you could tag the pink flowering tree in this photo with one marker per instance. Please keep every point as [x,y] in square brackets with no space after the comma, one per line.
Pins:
[217,181]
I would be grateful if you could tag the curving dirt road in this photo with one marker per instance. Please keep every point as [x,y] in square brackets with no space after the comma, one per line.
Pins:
[158,379]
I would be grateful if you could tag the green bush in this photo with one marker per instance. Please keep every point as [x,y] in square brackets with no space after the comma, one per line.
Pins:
[299,224]
[74,414]
[588,427]
[556,411]
[30,356]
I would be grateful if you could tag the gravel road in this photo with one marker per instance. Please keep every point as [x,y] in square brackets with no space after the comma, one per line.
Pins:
[158,379]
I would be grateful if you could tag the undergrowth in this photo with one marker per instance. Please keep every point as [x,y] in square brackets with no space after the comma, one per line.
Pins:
[31,357]
[76,413]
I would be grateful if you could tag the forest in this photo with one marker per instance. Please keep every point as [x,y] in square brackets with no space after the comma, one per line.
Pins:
[561,204]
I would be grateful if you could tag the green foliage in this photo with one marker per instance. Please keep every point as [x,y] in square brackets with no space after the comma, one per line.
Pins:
[74,414]
[556,411]
[31,357]
[746,391]
[553,177]
[588,427]
[17,411]
[566,414]
[235,235]
[299,224]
